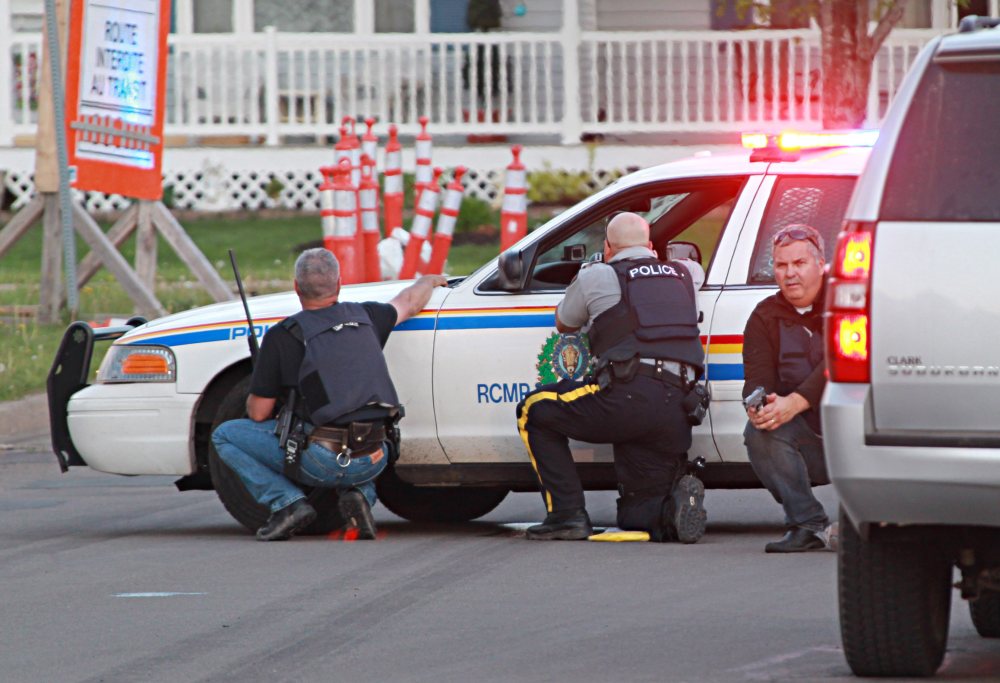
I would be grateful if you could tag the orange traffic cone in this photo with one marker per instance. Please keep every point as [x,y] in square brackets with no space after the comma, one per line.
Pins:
[514,212]
[392,195]
[368,195]
[421,228]
[445,229]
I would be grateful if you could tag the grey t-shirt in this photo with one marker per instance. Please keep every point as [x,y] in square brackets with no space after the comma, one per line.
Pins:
[595,288]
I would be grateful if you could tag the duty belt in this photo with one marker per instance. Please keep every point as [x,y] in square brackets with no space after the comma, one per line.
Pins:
[672,372]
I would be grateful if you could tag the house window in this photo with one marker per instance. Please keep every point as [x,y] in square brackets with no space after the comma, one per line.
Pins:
[448,16]
[213,16]
[394,16]
[318,16]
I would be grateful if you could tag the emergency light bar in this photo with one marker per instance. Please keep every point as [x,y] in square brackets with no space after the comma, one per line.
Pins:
[785,146]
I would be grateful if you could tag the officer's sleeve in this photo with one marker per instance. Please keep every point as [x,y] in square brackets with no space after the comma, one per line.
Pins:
[759,354]
[695,270]
[266,380]
[572,310]
[383,318]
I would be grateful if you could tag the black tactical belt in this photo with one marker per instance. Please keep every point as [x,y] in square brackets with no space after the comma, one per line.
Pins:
[664,376]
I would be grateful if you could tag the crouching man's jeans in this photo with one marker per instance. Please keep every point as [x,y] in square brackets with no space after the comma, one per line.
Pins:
[250,449]
[787,460]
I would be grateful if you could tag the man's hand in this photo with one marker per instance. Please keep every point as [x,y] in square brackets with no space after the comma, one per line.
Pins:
[412,300]
[778,410]
[260,408]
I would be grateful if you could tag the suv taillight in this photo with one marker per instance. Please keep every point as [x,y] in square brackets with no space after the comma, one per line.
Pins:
[848,308]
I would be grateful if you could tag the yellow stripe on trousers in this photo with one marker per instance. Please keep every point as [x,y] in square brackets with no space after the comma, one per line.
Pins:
[569,396]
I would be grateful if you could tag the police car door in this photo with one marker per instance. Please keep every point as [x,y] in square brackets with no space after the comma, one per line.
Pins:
[495,342]
[783,199]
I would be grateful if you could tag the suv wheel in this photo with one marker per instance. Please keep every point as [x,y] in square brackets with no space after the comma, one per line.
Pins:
[985,613]
[895,599]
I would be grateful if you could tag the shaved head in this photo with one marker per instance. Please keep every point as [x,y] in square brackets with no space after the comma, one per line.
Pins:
[628,230]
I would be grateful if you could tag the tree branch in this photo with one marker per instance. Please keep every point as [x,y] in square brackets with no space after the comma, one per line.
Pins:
[889,19]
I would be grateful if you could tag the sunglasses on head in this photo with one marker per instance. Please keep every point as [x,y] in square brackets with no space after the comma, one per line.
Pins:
[794,234]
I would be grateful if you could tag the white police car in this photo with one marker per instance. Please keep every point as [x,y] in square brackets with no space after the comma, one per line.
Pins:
[463,363]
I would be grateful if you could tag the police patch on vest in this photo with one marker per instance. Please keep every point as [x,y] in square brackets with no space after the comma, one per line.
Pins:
[652,270]
[563,356]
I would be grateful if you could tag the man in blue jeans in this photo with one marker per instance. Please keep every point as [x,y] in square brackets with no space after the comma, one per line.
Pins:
[345,399]
[783,353]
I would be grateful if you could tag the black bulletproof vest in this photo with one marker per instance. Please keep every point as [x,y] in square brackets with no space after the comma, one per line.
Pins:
[343,368]
[800,350]
[656,317]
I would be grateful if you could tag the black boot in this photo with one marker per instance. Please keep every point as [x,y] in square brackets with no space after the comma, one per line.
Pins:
[287,521]
[566,525]
[357,513]
[797,540]
[687,507]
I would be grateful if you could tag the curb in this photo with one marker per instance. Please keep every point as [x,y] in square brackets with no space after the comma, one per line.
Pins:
[24,417]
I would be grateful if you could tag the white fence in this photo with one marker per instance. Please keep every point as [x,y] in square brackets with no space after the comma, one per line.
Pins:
[270,85]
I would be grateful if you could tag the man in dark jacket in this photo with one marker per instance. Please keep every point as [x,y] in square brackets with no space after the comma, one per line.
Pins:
[783,353]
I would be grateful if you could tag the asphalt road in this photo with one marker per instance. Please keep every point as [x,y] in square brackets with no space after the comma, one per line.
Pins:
[114,579]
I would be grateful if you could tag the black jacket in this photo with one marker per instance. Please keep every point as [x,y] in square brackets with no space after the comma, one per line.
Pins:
[798,367]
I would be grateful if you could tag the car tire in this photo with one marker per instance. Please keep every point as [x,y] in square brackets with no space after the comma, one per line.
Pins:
[985,613]
[234,495]
[895,601]
[436,503]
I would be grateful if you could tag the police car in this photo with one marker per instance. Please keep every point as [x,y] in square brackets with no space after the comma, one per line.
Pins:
[479,346]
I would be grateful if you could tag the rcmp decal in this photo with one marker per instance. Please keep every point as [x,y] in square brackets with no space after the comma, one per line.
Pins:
[563,356]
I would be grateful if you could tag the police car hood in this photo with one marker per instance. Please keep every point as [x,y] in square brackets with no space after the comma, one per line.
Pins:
[265,307]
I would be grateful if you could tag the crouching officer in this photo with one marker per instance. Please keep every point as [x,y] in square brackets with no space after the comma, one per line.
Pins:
[643,329]
[330,354]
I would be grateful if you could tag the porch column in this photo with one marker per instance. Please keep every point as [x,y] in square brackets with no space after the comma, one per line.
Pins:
[364,17]
[6,110]
[571,38]
[183,17]
[421,16]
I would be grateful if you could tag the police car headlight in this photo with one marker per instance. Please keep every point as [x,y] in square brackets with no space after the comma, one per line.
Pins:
[138,364]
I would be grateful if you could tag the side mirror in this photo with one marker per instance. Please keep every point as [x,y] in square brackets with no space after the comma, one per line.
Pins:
[511,271]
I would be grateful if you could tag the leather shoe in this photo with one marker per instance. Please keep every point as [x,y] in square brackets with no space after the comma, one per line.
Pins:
[797,540]
[289,520]
[566,525]
[357,513]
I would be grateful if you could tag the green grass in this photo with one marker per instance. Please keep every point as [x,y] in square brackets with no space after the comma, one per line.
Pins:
[266,248]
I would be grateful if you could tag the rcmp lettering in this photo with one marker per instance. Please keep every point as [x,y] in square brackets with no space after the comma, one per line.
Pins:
[654,270]
[501,393]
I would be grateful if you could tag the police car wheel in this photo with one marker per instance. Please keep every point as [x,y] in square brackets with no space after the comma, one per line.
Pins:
[234,496]
[985,613]
[436,503]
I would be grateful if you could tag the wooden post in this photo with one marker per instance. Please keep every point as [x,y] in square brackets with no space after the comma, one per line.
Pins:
[145,301]
[19,224]
[51,292]
[145,245]
[189,253]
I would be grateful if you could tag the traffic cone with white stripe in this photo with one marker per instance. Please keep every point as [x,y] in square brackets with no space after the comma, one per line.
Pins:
[326,205]
[421,228]
[343,242]
[445,229]
[354,147]
[514,212]
[392,195]
[369,143]
[368,196]
[423,176]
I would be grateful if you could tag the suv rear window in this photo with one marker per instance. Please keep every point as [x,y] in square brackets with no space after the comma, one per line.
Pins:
[946,165]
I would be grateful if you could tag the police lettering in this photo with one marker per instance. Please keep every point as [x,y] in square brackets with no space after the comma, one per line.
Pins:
[653,270]
[501,393]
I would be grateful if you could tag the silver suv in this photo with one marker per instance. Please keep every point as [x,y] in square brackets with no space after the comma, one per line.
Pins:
[912,412]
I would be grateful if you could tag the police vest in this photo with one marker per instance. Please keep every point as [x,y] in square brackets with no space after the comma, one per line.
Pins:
[343,368]
[800,350]
[656,317]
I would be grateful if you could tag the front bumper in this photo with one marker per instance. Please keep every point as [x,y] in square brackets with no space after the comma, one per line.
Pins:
[117,428]
[904,484]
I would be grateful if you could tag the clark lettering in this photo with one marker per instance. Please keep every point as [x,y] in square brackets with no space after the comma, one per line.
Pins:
[652,271]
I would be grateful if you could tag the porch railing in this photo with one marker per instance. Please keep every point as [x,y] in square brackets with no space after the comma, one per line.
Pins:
[271,85]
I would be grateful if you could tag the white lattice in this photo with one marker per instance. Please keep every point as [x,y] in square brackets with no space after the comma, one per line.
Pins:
[213,188]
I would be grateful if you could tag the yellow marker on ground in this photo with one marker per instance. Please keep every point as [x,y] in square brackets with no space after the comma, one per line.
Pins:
[615,535]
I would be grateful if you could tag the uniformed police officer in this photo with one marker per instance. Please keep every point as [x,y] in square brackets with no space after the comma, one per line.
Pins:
[642,322]
[346,397]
